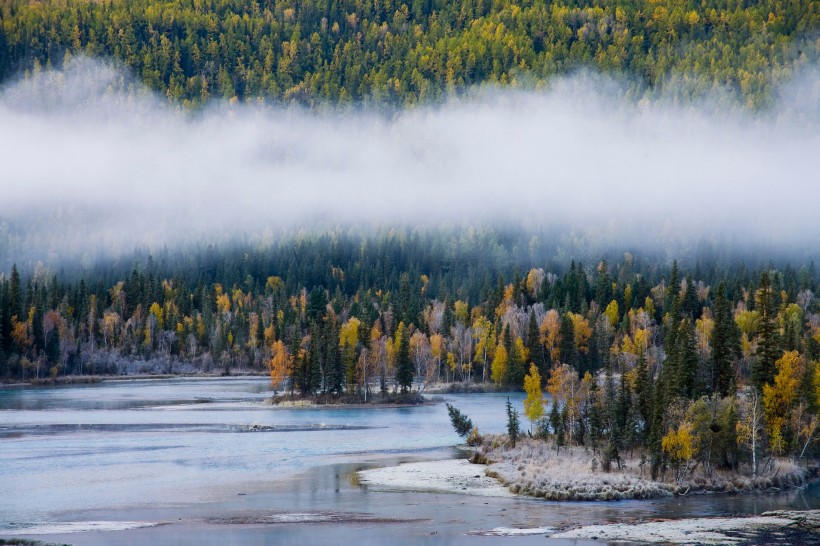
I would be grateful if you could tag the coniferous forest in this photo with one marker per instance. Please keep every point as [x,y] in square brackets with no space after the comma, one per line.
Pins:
[389,52]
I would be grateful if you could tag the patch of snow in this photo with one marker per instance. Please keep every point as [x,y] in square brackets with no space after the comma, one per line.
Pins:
[513,532]
[681,531]
[447,476]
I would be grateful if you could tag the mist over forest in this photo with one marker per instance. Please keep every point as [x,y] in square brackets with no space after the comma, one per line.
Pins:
[97,165]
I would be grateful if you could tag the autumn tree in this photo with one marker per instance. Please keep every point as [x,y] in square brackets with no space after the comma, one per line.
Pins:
[280,364]
[533,403]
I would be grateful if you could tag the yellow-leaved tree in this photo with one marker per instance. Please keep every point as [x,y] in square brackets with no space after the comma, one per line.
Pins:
[778,399]
[550,331]
[500,364]
[679,445]
[280,364]
[534,402]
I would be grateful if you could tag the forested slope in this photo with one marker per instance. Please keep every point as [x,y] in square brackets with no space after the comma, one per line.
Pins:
[390,52]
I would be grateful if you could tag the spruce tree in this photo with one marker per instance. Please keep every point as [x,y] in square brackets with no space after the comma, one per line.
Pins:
[672,291]
[404,368]
[534,346]
[656,431]
[461,423]
[690,306]
[643,395]
[569,355]
[768,346]
[725,345]
[513,423]
[686,360]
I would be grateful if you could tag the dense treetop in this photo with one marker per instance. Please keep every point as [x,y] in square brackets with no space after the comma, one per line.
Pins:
[393,52]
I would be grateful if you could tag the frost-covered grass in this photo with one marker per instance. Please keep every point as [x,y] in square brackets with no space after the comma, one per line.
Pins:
[682,531]
[534,468]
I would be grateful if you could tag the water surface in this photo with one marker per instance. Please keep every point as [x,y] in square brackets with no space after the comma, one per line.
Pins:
[190,451]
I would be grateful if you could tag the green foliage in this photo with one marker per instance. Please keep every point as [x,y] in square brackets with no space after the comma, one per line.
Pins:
[461,423]
[513,423]
[314,52]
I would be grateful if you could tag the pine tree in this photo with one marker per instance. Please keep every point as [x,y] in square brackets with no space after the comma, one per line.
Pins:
[768,347]
[672,291]
[404,368]
[513,423]
[725,345]
[333,361]
[569,355]
[643,395]
[461,423]
[656,432]
[689,306]
[534,346]
[686,367]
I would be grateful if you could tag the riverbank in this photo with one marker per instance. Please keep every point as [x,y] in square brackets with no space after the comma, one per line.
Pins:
[534,468]
[389,400]
[778,527]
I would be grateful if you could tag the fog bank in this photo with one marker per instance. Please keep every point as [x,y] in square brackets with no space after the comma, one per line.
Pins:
[92,162]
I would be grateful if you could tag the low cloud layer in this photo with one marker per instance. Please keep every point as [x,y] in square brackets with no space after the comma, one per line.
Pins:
[93,161]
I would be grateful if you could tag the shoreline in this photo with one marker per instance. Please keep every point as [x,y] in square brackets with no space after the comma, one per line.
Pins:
[534,469]
[465,476]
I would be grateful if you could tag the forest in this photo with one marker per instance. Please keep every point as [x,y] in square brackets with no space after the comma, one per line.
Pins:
[617,341]
[388,52]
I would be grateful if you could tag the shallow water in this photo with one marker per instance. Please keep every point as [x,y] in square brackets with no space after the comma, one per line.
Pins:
[194,450]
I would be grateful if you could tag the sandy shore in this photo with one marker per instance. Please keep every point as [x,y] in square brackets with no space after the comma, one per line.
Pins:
[447,476]
[799,526]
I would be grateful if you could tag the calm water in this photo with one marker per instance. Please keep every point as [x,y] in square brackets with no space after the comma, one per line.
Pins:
[188,450]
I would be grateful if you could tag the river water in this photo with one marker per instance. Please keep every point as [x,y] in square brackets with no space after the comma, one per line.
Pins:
[201,455]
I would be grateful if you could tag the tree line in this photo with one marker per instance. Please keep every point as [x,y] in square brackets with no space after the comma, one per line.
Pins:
[402,53]
[633,351]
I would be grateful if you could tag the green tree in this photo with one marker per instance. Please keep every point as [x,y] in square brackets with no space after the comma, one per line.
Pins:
[768,346]
[513,423]
[725,345]
[404,367]
[461,423]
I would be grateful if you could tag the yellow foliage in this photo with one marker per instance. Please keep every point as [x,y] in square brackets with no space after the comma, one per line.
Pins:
[612,313]
[534,279]
[280,363]
[779,398]
[461,312]
[521,350]
[499,364]
[679,444]
[550,330]
[748,322]
[349,333]
[649,306]
[156,310]
[274,283]
[582,332]
[533,404]
[223,303]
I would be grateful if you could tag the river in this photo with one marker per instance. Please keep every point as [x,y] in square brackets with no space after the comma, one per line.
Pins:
[201,455]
